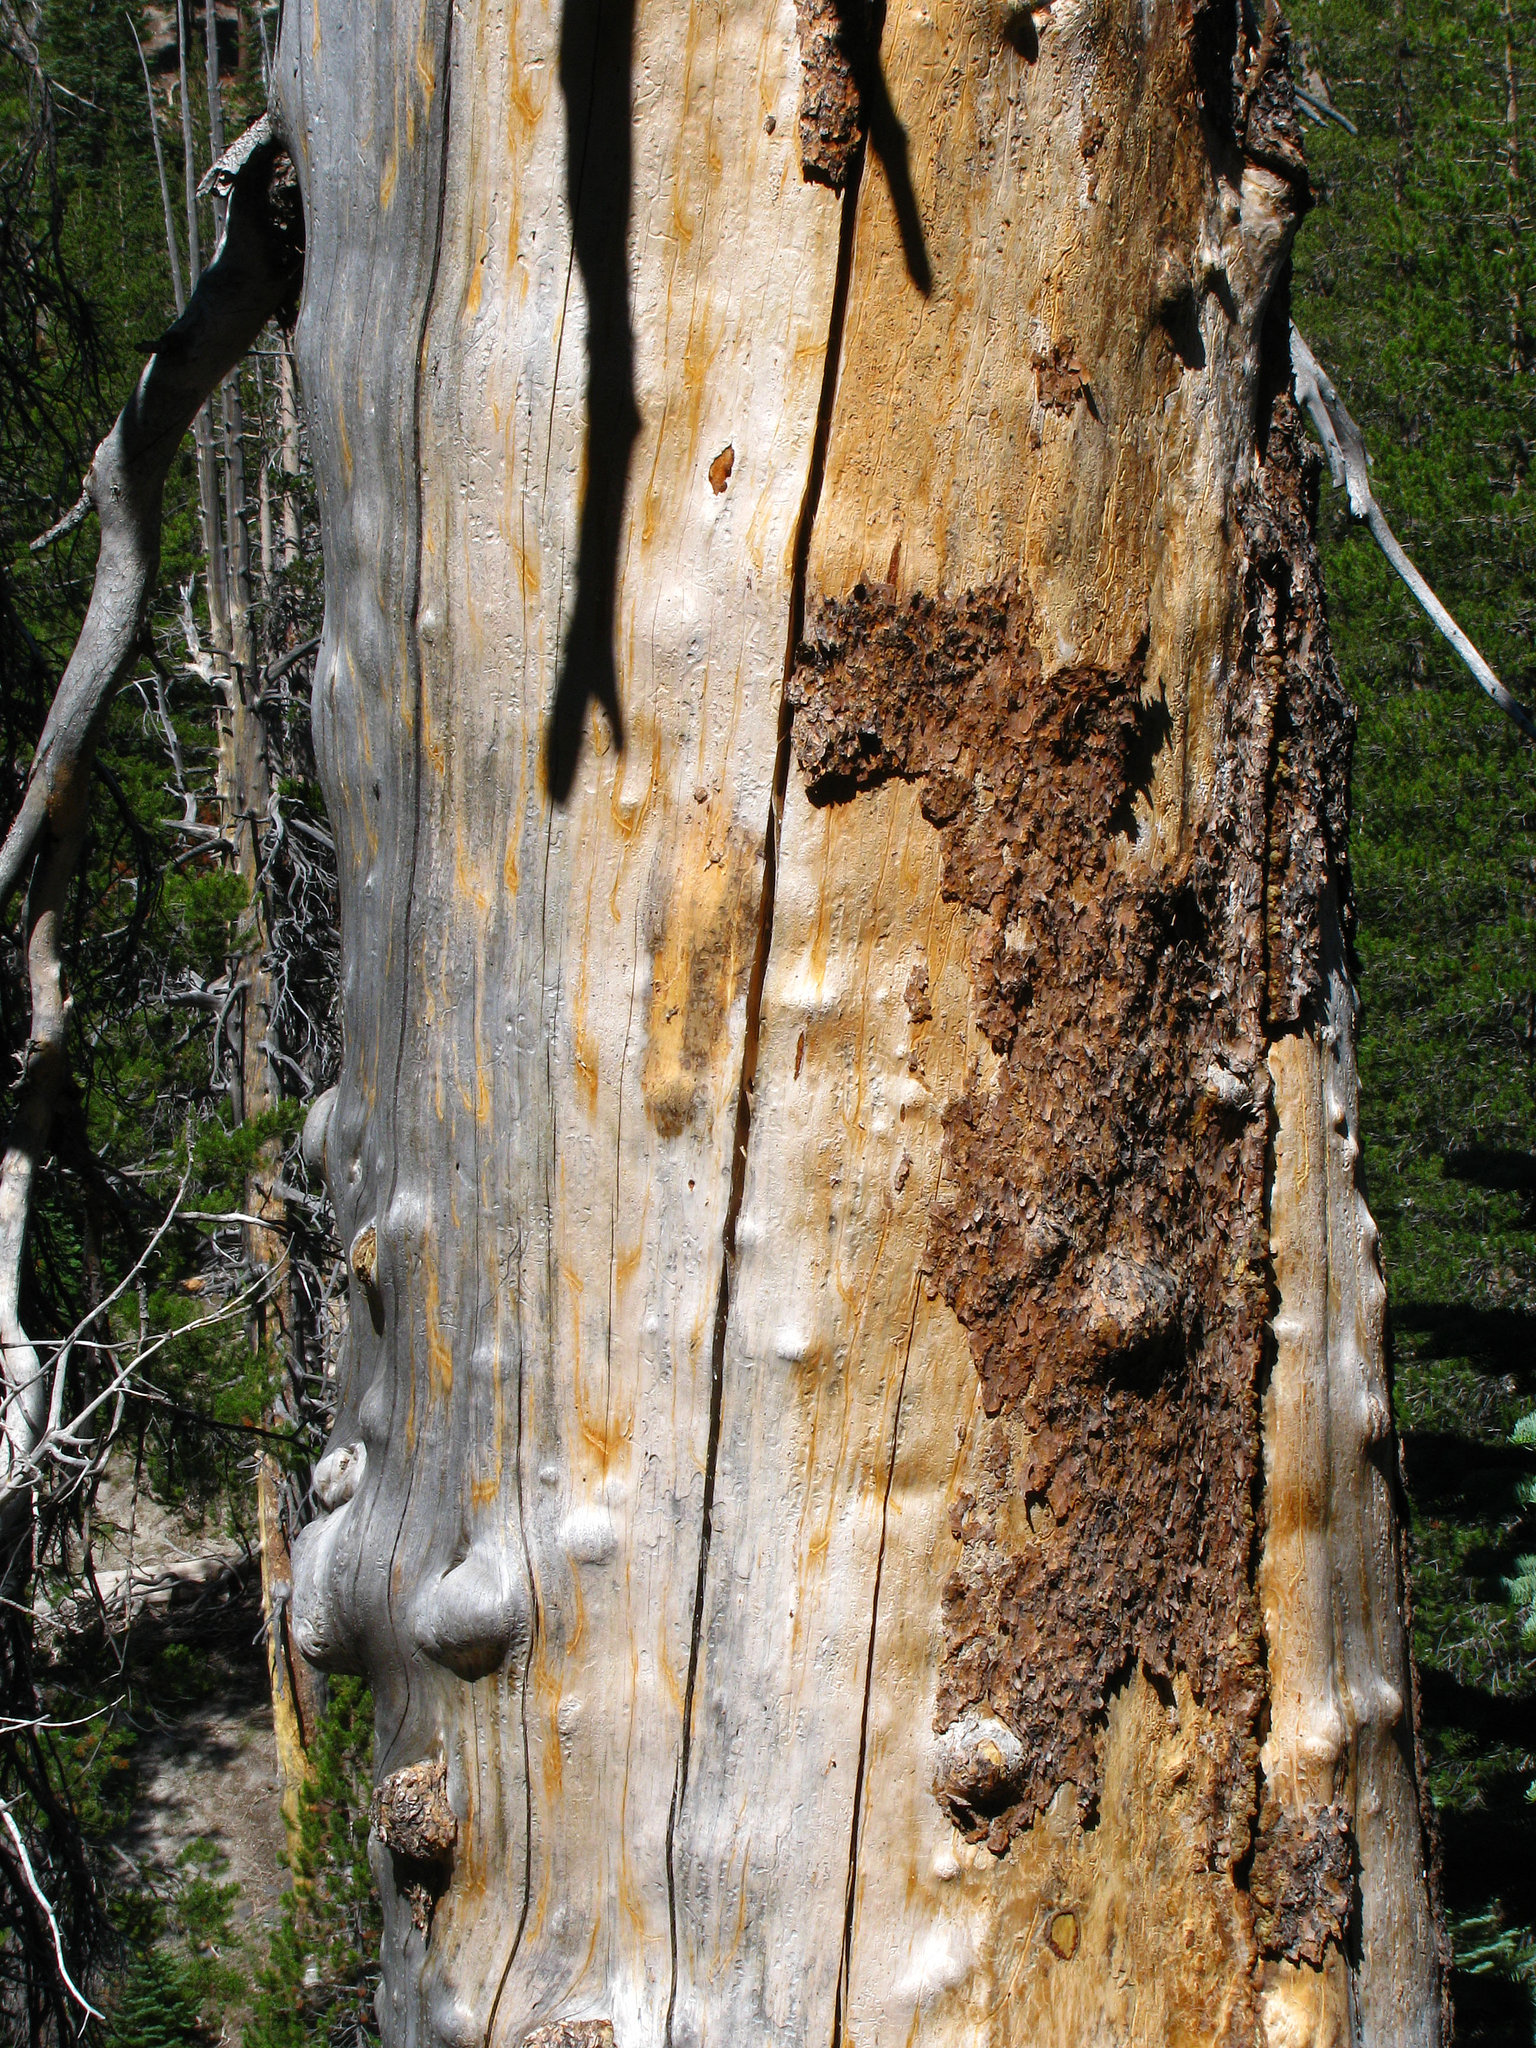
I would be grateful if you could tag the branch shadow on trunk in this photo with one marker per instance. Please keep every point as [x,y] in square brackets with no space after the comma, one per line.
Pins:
[596,61]
[887,137]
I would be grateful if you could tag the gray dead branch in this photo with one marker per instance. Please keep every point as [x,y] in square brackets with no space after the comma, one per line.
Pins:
[253,275]
[1349,466]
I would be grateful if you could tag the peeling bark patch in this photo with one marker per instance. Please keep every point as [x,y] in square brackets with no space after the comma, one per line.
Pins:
[1100,1233]
[365,1255]
[702,932]
[571,2034]
[1303,1882]
[1266,97]
[411,1813]
[919,1003]
[831,115]
[1287,650]
[1059,379]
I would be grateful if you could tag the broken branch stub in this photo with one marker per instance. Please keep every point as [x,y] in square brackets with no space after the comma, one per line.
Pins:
[1349,466]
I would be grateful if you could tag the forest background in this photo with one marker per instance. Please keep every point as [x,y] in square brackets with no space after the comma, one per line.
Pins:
[1415,282]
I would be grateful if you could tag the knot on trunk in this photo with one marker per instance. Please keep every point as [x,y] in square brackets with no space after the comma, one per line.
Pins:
[412,1818]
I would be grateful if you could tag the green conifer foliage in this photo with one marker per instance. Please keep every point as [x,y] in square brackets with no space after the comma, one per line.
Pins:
[317,1990]
[155,2009]
[1416,286]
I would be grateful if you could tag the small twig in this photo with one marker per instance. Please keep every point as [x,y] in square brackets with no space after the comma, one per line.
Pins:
[75,516]
[1321,111]
[1349,465]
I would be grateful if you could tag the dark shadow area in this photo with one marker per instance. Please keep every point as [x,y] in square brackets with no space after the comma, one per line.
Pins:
[861,31]
[596,58]
[1499,1341]
[1020,33]
[1154,729]
[1508,1718]
[1179,319]
[1487,1852]
[1503,1167]
[1447,1470]
[1490,2011]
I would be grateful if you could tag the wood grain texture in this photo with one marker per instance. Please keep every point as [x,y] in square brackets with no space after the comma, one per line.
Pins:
[655,1418]
[1332,1572]
[561,1057]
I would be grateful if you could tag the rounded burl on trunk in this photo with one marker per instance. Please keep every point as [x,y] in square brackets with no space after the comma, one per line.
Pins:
[863,1482]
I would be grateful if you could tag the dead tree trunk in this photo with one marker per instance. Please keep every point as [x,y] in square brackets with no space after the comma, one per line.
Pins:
[865,1482]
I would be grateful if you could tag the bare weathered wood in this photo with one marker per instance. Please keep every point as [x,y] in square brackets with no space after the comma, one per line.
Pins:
[1341,1687]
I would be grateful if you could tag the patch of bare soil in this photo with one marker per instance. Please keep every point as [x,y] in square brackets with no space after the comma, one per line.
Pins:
[206,1773]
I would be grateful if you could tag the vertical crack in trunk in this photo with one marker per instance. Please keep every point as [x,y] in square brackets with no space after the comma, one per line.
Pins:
[418,697]
[850,1898]
[815,475]
[535,1625]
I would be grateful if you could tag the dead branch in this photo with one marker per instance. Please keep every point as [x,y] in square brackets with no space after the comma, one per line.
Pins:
[45,1907]
[254,274]
[1349,465]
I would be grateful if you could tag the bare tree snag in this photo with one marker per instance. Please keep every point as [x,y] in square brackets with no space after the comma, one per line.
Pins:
[863,1482]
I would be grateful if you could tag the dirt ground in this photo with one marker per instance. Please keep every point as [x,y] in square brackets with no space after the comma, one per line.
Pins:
[204,1758]
[209,1773]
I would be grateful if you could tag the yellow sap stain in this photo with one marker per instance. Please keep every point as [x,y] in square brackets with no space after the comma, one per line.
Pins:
[465,876]
[584,1045]
[578,1626]
[484,1493]
[314,39]
[346,446]
[586,1068]
[626,1265]
[387,182]
[632,1896]
[525,107]
[629,811]
[431,745]
[525,561]
[821,936]
[670,1678]
[439,1351]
